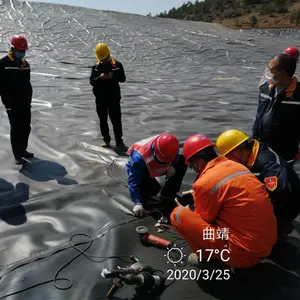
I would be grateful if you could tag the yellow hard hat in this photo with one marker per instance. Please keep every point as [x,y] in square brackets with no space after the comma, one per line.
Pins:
[102,51]
[229,140]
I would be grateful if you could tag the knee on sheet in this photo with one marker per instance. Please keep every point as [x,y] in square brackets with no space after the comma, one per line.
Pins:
[191,226]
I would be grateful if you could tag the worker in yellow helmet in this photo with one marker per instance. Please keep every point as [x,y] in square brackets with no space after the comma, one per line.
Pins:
[105,77]
[280,179]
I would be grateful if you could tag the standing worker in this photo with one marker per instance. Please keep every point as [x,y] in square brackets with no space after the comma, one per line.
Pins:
[154,157]
[280,179]
[233,210]
[16,95]
[105,78]
[277,121]
[292,51]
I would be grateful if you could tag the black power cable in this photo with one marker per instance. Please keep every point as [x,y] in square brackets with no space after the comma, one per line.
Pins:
[81,252]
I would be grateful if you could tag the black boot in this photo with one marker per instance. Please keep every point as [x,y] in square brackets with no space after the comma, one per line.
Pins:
[19,160]
[120,146]
[106,145]
[27,154]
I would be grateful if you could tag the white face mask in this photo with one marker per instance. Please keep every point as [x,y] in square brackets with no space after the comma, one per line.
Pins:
[269,77]
[272,81]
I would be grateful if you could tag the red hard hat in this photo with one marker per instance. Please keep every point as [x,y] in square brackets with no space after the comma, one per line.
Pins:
[194,144]
[166,147]
[19,42]
[293,51]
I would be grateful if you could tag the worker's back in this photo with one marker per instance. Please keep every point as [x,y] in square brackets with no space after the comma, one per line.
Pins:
[229,196]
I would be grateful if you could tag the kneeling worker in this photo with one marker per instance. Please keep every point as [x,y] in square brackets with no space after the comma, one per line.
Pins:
[280,179]
[227,196]
[153,157]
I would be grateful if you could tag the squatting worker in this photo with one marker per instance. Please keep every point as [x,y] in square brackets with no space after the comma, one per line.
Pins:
[279,178]
[149,158]
[105,77]
[292,51]
[16,95]
[277,120]
[226,195]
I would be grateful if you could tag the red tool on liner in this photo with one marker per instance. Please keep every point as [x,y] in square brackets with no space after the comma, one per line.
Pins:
[150,239]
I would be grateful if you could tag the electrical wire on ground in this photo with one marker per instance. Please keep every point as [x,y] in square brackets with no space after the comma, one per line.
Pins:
[90,257]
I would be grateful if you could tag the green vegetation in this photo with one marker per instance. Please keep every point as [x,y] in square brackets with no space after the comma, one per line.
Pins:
[295,17]
[254,21]
[220,10]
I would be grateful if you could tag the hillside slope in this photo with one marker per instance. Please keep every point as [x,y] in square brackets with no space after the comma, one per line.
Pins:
[241,13]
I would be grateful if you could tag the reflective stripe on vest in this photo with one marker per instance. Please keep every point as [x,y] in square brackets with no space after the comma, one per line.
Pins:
[265,96]
[216,187]
[224,180]
[276,155]
[178,213]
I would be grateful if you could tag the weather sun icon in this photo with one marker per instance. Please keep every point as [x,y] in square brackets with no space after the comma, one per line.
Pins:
[175,256]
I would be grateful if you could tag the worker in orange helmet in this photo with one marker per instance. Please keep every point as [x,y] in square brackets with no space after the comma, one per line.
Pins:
[154,157]
[230,203]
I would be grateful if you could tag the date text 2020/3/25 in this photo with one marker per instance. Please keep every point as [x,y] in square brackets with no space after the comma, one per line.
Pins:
[204,274]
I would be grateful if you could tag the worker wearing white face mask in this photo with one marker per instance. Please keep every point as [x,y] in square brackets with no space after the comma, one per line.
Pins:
[277,120]
[292,51]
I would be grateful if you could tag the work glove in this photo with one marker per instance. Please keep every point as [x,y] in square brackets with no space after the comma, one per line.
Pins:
[171,172]
[139,210]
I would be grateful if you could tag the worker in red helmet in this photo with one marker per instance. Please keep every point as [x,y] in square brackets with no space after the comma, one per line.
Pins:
[16,96]
[154,157]
[233,211]
[277,118]
[291,51]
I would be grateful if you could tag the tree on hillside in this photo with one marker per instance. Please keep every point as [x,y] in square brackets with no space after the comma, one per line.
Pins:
[211,10]
[253,21]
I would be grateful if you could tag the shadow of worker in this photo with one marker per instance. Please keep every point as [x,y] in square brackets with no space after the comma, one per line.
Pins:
[11,210]
[45,170]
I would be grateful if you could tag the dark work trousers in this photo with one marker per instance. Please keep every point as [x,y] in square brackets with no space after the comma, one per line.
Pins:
[113,110]
[20,120]
[150,187]
[286,213]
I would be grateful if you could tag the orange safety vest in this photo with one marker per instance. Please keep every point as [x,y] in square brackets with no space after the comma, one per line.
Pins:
[227,194]
[143,147]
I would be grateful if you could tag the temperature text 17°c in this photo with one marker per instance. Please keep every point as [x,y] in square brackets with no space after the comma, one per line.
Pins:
[207,254]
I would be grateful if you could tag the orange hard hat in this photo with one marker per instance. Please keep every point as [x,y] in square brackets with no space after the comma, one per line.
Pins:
[293,51]
[166,147]
[19,42]
[194,144]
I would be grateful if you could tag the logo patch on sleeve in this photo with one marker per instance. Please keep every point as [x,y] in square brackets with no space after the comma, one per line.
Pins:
[271,183]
